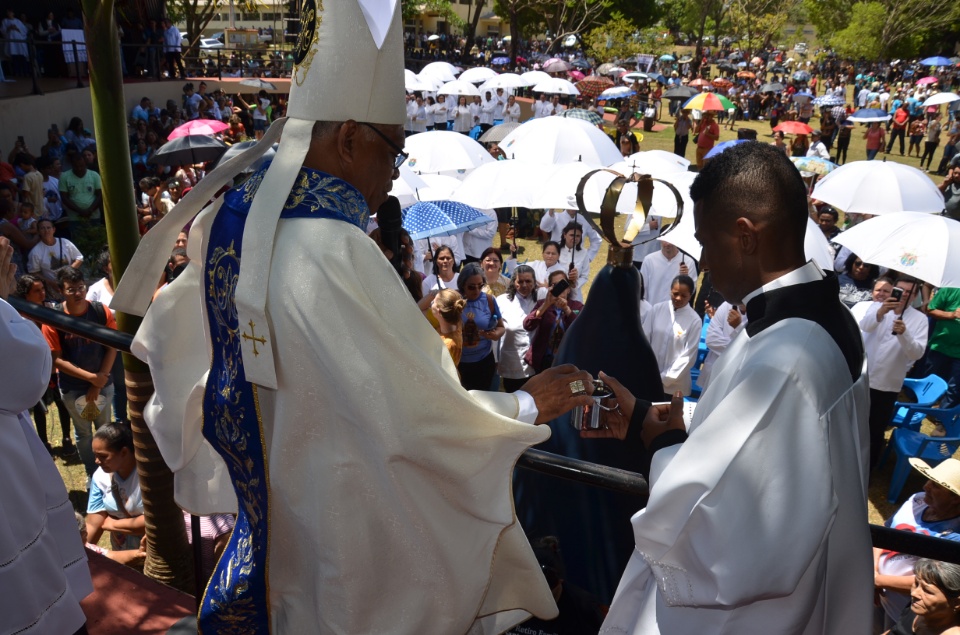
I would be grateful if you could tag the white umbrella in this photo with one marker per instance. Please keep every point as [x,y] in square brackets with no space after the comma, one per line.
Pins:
[408,75]
[534,77]
[458,88]
[411,84]
[560,140]
[615,92]
[879,187]
[629,78]
[504,80]
[443,151]
[259,84]
[477,75]
[816,247]
[503,184]
[653,162]
[920,245]
[432,80]
[412,187]
[444,70]
[940,98]
[557,86]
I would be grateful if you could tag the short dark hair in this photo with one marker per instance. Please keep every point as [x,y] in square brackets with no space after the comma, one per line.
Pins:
[491,251]
[686,281]
[116,435]
[25,283]
[848,266]
[469,270]
[826,209]
[68,274]
[757,181]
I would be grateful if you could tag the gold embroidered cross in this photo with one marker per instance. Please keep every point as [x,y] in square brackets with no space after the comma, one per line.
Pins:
[253,336]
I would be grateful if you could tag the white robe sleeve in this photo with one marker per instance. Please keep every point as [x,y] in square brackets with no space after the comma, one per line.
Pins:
[762,452]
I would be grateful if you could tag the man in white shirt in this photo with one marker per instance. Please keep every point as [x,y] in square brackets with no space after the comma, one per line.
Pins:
[555,106]
[172,48]
[661,267]
[894,336]
[554,220]
[542,108]
[511,112]
[411,115]
[487,108]
[817,147]
[501,101]
[476,241]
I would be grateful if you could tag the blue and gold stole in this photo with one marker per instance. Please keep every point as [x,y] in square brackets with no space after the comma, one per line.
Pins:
[236,601]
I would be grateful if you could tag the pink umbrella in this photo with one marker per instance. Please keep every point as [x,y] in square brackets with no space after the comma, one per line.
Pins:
[198,127]
[576,75]
[927,80]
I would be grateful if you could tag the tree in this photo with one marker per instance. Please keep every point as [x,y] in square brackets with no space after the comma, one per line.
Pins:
[168,555]
[861,38]
[197,14]
[412,10]
[619,38]
[559,18]
[758,22]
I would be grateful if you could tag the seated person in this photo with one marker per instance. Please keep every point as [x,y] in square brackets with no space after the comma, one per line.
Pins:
[115,504]
[935,511]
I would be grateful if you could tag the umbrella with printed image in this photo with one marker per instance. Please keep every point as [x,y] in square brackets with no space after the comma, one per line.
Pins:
[814,165]
[441,218]
[708,101]
[879,187]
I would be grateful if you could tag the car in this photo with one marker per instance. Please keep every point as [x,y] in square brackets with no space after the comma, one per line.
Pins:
[210,43]
[800,47]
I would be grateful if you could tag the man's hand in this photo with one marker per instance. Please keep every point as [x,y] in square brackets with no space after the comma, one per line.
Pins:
[684,269]
[92,393]
[573,275]
[888,305]
[552,392]
[7,269]
[899,327]
[734,318]
[663,418]
[99,380]
[614,422]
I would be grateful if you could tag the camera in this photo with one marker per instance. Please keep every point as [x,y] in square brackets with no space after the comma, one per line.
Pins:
[896,294]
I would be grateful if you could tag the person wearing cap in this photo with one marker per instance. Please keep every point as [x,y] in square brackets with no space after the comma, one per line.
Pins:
[772,465]
[817,147]
[934,511]
[315,402]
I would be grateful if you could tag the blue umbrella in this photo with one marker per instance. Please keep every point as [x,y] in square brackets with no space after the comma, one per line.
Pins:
[441,218]
[801,76]
[658,77]
[869,115]
[499,61]
[720,147]
[667,58]
[937,60]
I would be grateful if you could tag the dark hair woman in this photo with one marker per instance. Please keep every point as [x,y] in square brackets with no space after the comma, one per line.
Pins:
[856,281]
[515,305]
[495,283]
[550,318]
[115,504]
[444,274]
[482,325]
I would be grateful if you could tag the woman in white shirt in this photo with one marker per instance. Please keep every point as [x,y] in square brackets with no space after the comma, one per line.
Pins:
[464,120]
[673,330]
[419,117]
[515,305]
[575,259]
[443,276]
[550,263]
[511,113]
[430,109]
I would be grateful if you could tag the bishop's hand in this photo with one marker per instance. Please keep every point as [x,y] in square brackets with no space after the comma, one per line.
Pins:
[552,391]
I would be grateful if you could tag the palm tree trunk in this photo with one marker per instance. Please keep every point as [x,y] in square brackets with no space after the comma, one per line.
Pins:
[168,554]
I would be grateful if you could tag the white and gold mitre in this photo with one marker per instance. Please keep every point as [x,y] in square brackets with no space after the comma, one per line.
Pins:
[348,64]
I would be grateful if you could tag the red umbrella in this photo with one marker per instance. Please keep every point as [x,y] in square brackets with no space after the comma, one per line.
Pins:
[746,75]
[793,127]
[722,82]
[699,82]
[207,127]
[593,86]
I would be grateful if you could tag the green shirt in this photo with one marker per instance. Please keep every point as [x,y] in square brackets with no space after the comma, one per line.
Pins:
[945,337]
[82,191]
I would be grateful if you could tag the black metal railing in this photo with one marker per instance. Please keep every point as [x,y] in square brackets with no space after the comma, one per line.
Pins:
[537,460]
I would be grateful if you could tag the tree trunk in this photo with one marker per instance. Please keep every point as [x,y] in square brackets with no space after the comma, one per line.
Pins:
[168,554]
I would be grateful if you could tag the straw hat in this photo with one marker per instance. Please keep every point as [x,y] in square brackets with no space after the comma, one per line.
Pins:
[946,474]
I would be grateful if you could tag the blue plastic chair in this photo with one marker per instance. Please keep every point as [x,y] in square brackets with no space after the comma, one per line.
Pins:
[928,391]
[911,443]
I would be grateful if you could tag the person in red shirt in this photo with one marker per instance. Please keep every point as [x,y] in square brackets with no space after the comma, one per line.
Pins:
[84,366]
[898,126]
[707,134]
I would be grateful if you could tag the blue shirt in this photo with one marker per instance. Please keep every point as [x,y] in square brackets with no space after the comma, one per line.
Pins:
[483,319]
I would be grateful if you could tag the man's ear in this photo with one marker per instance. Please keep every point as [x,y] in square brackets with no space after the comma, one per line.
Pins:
[348,141]
[747,236]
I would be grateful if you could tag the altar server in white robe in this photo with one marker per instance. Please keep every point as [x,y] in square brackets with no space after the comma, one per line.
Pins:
[757,520]
[314,400]
[43,566]
[673,330]
[661,267]
[575,260]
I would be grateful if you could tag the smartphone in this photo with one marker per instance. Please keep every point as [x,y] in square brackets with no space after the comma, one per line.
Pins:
[896,294]
[559,288]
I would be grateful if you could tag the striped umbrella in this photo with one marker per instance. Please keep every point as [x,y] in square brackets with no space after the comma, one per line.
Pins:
[593,86]
[589,116]
[708,101]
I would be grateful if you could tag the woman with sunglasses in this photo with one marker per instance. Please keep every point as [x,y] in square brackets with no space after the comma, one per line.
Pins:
[856,281]
[482,325]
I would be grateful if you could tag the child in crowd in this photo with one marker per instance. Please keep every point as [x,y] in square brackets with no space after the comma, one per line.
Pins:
[27,221]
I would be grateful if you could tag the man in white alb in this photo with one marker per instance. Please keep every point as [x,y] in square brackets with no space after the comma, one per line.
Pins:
[661,267]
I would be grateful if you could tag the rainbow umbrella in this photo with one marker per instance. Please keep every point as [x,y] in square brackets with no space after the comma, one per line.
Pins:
[708,101]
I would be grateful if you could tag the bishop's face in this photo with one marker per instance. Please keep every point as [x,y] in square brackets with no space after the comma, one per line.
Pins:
[376,170]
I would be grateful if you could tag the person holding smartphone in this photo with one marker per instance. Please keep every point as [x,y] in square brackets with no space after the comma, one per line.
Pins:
[894,336]
[550,319]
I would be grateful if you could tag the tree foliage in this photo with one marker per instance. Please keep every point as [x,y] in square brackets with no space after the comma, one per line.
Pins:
[861,37]
[411,9]
[757,23]
[619,38]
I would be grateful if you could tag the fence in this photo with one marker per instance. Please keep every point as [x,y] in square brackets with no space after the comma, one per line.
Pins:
[555,465]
